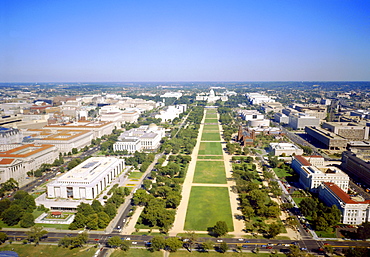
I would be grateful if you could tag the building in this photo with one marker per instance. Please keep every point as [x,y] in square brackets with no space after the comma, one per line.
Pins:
[64,140]
[86,180]
[171,112]
[144,138]
[251,115]
[312,173]
[354,211]
[211,97]
[356,167]
[300,121]
[315,111]
[176,95]
[247,135]
[272,107]
[348,130]
[288,149]
[281,118]
[257,98]
[99,128]
[16,162]
[10,136]
[328,139]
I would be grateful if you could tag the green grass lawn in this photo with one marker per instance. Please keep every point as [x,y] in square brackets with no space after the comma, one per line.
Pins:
[210,172]
[211,157]
[210,121]
[211,116]
[210,148]
[48,250]
[210,136]
[207,205]
[297,200]
[210,127]
[214,254]
[281,173]
[325,234]
[135,175]
[136,253]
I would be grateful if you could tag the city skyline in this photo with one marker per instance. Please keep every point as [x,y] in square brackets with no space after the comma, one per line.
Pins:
[138,41]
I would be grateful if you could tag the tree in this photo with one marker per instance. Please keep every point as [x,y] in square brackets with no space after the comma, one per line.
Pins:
[173,244]
[27,220]
[12,215]
[114,242]
[96,206]
[208,245]
[92,221]
[223,247]
[158,242]
[363,232]
[356,252]
[36,233]
[103,219]
[274,229]
[329,249]
[220,229]
[110,209]
[3,237]
[125,246]
[321,224]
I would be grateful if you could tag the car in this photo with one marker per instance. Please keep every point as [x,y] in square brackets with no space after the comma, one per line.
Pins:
[268,247]
[245,246]
[326,244]
[287,245]
[246,241]
[303,249]
[134,243]
[240,239]
[127,238]
[219,240]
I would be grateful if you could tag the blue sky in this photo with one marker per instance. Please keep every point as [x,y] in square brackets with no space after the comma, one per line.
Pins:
[184,40]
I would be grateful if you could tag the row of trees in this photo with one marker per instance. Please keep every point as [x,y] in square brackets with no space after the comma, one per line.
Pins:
[96,215]
[18,211]
[323,217]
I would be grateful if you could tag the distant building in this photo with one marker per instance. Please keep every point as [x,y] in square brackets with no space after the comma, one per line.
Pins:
[281,118]
[311,175]
[10,136]
[176,95]
[171,112]
[315,111]
[288,149]
[251,115]
[211,97]
[356,167]
[354,211]
[328,139]
[140,139]
[300,121]
[257,98]
[348,130]
[247,135]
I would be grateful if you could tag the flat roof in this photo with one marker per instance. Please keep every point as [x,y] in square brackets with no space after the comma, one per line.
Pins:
[24,151]
[87,171]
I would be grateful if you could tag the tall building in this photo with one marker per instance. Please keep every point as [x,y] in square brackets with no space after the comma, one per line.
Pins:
[356,167]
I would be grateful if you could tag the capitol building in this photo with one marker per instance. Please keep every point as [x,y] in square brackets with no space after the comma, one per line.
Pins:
[211,97]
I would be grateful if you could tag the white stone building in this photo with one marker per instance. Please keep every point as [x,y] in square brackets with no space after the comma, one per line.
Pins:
[10,136]
[257,98]
[301,120]
[354,211]
[139,139]
[171,112]
[16,162]
[86,180]
[311,176]
[285,148]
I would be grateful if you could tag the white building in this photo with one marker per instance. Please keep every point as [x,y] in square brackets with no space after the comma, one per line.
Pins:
[281,118]
[171,112]
[285,148]
[16,162]
[354,211]
[99,128]
[312,173]
[10,136]
[86,180]
[301,120]
[177,95]
[139,139]
[64,140]
[211,97]
[257,98]
[251,115]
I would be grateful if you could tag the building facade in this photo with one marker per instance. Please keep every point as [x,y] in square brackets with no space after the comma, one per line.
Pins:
[353,211]
[278,149]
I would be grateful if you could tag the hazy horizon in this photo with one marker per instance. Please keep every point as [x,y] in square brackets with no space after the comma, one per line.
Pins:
[184,41]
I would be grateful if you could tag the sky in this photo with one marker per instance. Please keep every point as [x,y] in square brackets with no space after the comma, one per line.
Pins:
[184,40]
